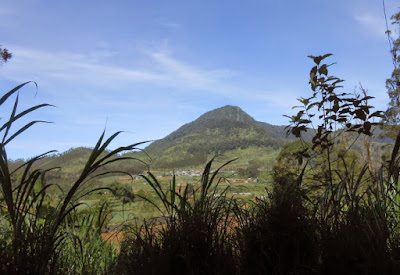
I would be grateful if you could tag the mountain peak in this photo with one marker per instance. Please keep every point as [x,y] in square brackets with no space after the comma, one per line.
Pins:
[228,112]
[220,130]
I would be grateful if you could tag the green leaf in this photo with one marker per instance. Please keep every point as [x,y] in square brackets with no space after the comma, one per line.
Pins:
[296,132]
[367,128]
[23,114]
[313,72]
[7,95]
[317,59]
[323,70]
[360,114]
[326,55]
[23,129]
[377,114]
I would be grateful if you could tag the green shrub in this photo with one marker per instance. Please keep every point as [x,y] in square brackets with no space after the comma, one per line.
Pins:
[277,235]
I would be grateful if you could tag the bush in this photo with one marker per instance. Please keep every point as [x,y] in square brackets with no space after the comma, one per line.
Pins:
[278,235]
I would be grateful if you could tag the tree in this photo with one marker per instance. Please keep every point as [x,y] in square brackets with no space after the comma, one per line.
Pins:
[336,115]
[5,55]
[392,114]
[251,171]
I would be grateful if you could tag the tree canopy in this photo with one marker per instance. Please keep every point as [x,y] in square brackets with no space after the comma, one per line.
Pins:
[392,115]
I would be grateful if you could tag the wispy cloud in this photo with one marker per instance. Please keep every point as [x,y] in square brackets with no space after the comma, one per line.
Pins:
[167,23]
[161,80]
[70,66]
[129,85]
[372,23]
[180,72]
[161,69]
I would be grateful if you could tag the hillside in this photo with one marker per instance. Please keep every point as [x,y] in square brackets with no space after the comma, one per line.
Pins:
[215,132]
[228,132]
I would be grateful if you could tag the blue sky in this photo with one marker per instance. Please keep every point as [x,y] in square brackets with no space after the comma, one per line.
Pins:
[148,67]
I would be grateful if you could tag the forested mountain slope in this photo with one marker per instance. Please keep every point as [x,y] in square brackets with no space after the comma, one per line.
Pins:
[215,132]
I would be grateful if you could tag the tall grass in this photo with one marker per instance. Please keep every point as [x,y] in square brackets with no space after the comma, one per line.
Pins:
[193,235]
[277,235]
[86,251]
[349,227]
[34,232]
[354,227]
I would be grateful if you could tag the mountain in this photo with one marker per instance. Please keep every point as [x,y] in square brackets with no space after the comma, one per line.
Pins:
[217,131]
[227,130]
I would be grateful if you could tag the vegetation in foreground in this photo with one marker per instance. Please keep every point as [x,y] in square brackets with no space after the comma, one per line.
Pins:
[327,212]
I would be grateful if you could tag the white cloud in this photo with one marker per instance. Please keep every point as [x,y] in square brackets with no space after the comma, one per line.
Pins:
[162,69]
[71,66]
[178,71]
[373,24]
[167,23]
